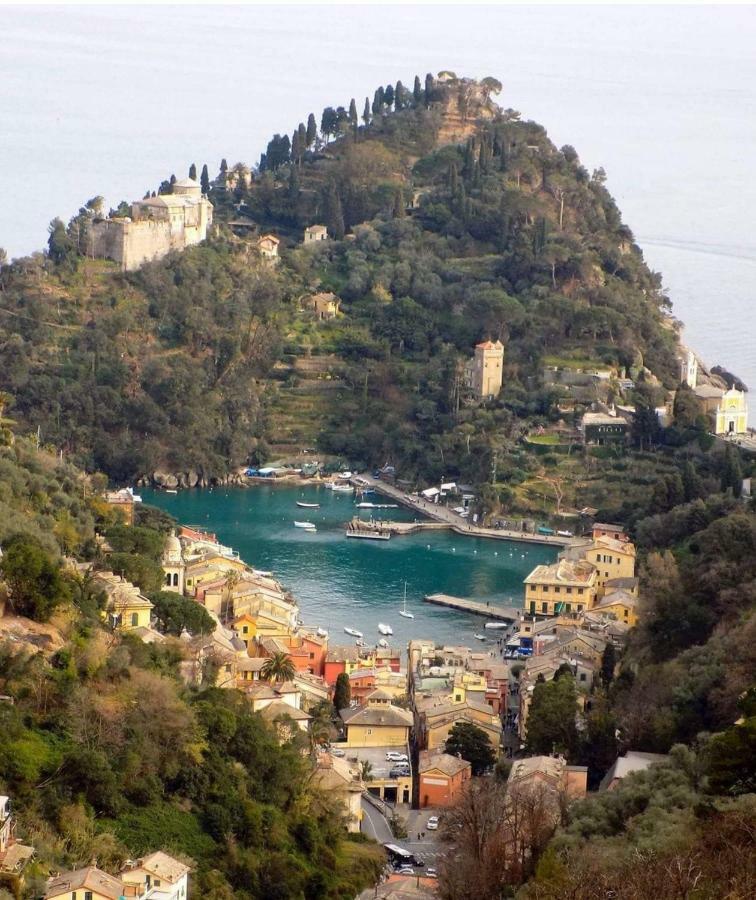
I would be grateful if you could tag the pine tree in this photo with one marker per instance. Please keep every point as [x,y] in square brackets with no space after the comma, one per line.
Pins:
[312,130]
[366,112]
[193,172]
[205,180]
[428,89]
[417,91]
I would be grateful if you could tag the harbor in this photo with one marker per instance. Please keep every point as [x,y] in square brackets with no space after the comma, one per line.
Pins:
[359,583]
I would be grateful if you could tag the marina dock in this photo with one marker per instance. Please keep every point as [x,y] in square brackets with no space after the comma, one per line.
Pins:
[477,607]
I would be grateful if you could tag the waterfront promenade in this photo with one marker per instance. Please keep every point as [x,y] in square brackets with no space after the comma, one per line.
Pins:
[478,607]
[452,520]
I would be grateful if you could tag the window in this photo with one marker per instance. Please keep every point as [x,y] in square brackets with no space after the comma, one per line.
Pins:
[175,579]
[580,590]
[168,579]
[368,731]
[312,656]
[569,607]
[134,622]
[245,629]
[544,607]
[532,607]
[73,895]
[157,882]
[582,676]
[87,895]
[580,607]
[545,588]
[569,590]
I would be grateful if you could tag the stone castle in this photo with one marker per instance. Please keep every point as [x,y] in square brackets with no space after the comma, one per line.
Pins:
[156,226]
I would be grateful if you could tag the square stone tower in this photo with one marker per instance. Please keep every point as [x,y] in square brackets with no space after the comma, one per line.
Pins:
[484,372]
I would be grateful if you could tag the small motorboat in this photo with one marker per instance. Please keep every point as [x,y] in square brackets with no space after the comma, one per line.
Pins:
[385,629]
[342,489]
[171,491]
[321,632]
[360,643]
[479,637]
[262,573]
[383,643]
[308,526]
[493,626]
[353,632]
[304,505]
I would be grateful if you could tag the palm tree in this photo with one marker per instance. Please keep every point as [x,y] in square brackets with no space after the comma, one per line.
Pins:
[231,578]
[366,770]
[278,667]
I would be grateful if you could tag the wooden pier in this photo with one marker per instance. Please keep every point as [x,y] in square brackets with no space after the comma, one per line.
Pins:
[477,607]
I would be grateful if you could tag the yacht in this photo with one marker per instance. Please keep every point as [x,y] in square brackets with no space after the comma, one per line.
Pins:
[479,637]
[342,489]
[495,626]
[385,629]
[403,610]
[304,505]
[308,526]
[353,632]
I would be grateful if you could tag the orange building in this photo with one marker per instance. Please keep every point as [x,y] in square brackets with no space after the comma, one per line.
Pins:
[442,778]
[615,532]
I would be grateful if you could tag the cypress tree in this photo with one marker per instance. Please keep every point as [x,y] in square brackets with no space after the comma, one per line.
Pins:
[296,150]
[193,172]
[732,472]
[312,130]
[428,89]
[417,91]
[378,102]
[334,214]
[353,120]
[172,180]
[293,188]
[398,211]
[399,93]
[205,180]
[388,95]
[366,112]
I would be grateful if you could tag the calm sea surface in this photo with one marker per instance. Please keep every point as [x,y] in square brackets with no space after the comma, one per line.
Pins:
[112,99]
[340,582]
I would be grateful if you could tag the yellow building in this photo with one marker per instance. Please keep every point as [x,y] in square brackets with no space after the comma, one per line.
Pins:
[732,413]
[125,607]
[484,372]
[612,559]
[377,724]
[621,605]
[469,686]
[88,884]
[565,586]
[343,783]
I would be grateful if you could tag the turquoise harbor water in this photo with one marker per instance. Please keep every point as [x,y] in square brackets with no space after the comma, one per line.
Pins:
[339,582]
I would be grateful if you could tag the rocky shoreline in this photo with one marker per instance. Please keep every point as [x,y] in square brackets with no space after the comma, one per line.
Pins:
[173,481]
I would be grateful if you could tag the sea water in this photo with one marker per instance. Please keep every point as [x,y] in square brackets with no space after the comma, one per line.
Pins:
[339,582]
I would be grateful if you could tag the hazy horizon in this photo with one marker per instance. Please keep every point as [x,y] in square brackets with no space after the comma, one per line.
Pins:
[111,100]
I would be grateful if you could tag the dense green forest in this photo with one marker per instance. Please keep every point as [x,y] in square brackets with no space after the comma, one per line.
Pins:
[451,221]
[106,753]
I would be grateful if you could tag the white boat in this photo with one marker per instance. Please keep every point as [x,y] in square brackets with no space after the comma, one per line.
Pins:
[360,643]
[308,526]
[368,534]
[353,632]
[383,643]
[308,505]
[479,637]
[262,573]
[403,610]
[385,629]
[321,632]
[342,489]
[170,491]
[344,476]
[493,626]
[366,505]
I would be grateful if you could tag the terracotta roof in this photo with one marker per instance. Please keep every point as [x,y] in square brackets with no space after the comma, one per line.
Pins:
[390,716]
[563,572]
[91,878]
[278,709]
[444,762]
[164,866]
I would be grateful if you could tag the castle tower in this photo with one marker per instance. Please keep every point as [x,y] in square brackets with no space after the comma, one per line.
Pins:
[485,370]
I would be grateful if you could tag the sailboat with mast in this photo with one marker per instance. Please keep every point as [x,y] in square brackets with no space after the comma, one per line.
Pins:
[403,611]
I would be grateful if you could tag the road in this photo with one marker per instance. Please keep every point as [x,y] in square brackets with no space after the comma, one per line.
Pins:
[374,825]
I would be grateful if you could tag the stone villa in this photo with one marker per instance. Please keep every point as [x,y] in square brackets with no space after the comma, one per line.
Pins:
[157,226]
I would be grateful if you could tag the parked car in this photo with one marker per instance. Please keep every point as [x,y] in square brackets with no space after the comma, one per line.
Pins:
[395,756]
[430,872]
[336,751]
[406,870]
[419,863]
[398,772]
[432,823]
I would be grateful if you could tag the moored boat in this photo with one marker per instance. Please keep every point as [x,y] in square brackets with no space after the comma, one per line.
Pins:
[353,632]
[479,637]
[385,629]
[308,526]
[321,632]
[403,611]
[496,625]
[383,643]
[304,505]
